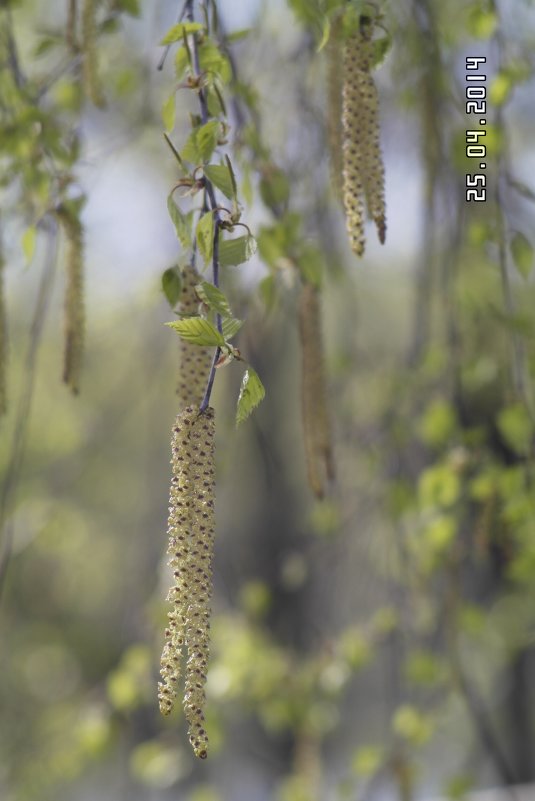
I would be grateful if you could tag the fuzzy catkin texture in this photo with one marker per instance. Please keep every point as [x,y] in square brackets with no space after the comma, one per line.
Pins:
[91,78]
[316,423]
[3,343]
[191,527]
[195,361]
[74,299]
[334,53]
[363,173]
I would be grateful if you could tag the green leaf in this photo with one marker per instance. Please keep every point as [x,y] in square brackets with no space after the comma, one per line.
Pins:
[181,62]
[522,252]
[214,298]
[201,142]
[169,112]
[177,32]
[205,236]
[516,428]
[198,331]
[29,240]
[235,36]
[231,326]
[220,176]
[325,35]
[180,223]
[274,186]
[130,7]
[236,251]
[232,178]
[213,61]
[482,22]
[500,88]
[252,392]
[381,47]
[172,285]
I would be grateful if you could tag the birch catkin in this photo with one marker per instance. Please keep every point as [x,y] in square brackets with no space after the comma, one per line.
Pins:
[89,47]
[316,424]
[3,342]
[334,106]
[191,527]
[74,299]
[194,360]
[363,172]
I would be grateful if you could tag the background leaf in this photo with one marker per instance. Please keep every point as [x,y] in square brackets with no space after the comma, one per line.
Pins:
[522,252]
[252,392]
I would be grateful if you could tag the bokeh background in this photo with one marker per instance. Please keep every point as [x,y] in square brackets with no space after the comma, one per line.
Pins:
[377,644]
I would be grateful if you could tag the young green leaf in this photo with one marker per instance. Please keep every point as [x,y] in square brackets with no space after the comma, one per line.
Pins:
[252,392]
[198,331]
[171,285]
[205,235]
[219,175]
[177,32]
[169,112]
[214,298]
[522,252]
[236,251]
[231,326]
[180,223]
[201,142]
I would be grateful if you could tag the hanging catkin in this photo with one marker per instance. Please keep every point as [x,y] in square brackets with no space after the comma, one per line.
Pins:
[316,424]
[334,52]
[194,360]
[89,47]
[363,173]
[74,298]
[191,527]
[70,26]
[3,342]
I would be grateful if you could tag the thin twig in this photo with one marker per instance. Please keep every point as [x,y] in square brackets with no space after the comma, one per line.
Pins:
[165,53]
[18,447]
[188,13]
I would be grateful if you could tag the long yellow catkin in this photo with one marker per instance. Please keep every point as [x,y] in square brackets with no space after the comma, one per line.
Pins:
[194,360]
[316,423]
[334,52]
[191,527]
[3,342]
[89,47]
[74,299]
[363,173]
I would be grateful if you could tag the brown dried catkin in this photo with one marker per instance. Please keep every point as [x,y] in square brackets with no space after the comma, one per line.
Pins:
[91,78]
[194,360]
[316,423]
[74,299]
[191,527]
[363,172]
[3,342]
